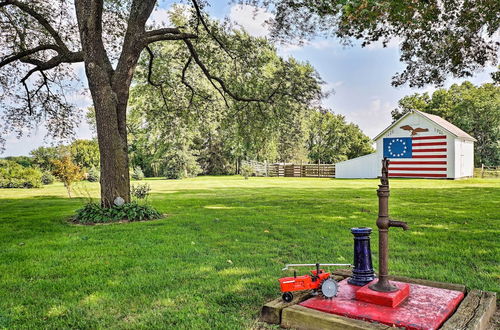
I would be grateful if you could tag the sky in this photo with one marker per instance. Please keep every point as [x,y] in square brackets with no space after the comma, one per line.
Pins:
[360,77]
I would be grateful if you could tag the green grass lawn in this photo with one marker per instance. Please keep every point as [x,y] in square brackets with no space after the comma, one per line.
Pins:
[216,258]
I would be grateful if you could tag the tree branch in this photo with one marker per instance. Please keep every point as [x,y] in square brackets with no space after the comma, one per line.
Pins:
[71,57]
[199,14]
[184,81]
[20,55]
[132,46]
[150,79]
[37,16]
[166,34]
[213,78]
[30,108]
[45,83]
[150,67]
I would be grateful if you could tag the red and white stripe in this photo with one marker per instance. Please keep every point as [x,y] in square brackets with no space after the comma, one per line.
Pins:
[429,159]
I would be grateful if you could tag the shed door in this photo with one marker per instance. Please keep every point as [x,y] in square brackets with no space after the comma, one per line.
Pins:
[462,160]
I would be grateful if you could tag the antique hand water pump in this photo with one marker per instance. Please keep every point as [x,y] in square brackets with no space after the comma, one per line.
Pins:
[383,224]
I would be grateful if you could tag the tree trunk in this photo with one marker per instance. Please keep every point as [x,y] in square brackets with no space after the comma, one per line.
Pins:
[68,188]
[110,90]
[113,150]
[112,137]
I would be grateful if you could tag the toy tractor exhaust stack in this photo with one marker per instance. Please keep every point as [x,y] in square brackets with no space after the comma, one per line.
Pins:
[383,224]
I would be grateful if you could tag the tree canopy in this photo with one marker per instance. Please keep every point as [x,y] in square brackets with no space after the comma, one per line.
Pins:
[192,120]
[332,140]
[84,153]
[436,38]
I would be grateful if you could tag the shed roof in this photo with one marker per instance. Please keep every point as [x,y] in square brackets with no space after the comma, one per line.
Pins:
[446,125]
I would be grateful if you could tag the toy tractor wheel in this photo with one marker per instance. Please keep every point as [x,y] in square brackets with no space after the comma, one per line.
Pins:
[287,297]
[329,288]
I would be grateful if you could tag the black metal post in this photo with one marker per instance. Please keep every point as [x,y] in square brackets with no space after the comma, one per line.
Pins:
[363,272]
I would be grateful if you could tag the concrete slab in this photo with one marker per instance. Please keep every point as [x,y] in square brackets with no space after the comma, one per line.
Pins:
[425,308]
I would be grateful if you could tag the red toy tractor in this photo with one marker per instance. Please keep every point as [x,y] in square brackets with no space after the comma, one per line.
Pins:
[319,281]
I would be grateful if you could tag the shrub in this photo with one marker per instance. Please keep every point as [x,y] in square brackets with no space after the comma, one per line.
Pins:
[181,164]
[141,191]
[24,161]
[93,175]
[13,175]
[67,171]
[137,174]
[47,178]
[94,213]
[246,170]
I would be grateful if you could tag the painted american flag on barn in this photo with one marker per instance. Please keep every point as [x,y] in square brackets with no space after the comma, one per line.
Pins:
[418,145]
[417,156]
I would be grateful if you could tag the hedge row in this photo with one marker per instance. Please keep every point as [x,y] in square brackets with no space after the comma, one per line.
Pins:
[13,175]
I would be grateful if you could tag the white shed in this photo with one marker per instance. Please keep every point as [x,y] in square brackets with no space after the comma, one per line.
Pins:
[419,145]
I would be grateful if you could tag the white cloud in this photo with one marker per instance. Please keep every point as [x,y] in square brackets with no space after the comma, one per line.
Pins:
[321,44]
[255,21]
[330,88]
[159,17]
[80,98]
[337,84]
[372,114]
[251,19]
[376,116]
[393,43]
[286,50]
[375,105]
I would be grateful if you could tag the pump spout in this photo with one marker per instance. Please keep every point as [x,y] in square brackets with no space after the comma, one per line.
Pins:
[402,224]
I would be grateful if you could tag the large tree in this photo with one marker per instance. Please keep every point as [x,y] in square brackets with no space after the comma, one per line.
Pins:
[40,39]
[170,132]
[331,139]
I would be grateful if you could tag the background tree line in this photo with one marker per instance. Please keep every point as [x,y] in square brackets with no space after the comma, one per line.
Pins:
[68,163]
[474,109]
[209,137]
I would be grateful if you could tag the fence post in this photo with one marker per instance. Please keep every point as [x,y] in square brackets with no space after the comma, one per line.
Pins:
[482,170]
[319,162]
[267,167]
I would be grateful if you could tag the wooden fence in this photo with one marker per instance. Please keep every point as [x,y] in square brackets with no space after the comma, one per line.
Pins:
[292,170]
[488,171]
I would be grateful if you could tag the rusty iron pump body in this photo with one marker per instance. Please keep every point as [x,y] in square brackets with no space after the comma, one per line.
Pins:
[383,224]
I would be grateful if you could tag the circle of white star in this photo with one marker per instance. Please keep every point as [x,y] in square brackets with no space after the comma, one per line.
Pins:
[390,148]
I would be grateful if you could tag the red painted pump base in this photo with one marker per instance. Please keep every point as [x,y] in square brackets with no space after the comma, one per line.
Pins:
[425,307]
[389,299]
